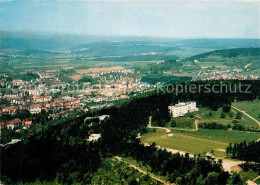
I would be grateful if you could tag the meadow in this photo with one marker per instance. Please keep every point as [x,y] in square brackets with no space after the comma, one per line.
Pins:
[222,135]
[183,142]
[204,116]
[251,108]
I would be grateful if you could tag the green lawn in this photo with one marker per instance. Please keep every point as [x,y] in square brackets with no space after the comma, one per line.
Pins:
[250,174]
[251,108]
[222,135]
[204,117]
[183,142]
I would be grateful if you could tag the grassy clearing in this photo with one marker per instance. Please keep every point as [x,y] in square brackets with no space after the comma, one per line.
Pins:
[222,135]
[183,142]
[251,108]
[143,167]
[250,174]
[205,117]
[210,64]
[182,122]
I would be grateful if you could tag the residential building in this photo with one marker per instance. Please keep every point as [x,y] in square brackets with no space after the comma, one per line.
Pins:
[94,137]
[14,123]
[182,108]
[35,110]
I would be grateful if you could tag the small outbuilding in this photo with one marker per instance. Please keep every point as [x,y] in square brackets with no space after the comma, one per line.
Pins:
[210,155]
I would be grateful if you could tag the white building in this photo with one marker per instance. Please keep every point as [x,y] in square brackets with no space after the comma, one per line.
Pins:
[35,110]
[34,92]
[94,137]
[181,108]
[17,82]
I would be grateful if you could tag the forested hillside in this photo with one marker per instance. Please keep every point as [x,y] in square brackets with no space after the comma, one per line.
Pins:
[62,151]
[243,58]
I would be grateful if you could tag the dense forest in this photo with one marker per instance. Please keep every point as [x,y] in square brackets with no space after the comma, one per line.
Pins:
[61,151]
[229,53]
[245,151]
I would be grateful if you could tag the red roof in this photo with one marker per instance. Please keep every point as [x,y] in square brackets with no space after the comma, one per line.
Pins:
[15,121]
[10,109]
[28,122]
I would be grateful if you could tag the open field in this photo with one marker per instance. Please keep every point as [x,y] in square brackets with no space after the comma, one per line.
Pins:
[209,64]
[251,108]
[204,117]
[250,174]
[76,77]
[96,70]
[222,135]
[183,142]
[46,66]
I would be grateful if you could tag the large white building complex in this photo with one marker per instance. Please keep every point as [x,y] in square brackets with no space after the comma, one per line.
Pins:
[182,108]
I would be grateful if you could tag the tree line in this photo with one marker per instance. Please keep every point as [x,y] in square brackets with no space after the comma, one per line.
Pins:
[61,150]
[245,151]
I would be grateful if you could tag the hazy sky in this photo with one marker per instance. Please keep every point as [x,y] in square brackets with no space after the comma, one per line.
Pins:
[188,18]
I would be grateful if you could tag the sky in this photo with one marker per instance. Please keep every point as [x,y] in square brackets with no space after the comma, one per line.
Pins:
[153,18]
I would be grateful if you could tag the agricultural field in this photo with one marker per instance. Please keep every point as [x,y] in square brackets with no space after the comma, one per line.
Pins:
[75,77]
[95,70]
[232,59]
[251,108]
[204,116]
[183,142]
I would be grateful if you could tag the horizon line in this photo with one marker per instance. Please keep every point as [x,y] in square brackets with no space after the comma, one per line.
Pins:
[34,32]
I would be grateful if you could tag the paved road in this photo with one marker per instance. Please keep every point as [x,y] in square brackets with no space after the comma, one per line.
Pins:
[166,129]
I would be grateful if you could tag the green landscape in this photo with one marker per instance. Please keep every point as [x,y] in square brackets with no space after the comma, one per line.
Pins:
[222,135]
[208,116]
[182,142]
[200,141]
[251,108]
[127,151]
[129,92]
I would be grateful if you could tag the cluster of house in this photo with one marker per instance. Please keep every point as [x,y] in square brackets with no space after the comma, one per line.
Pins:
[102,73]
[182,108]
[36,95]
[26,123]
[116,87]
[209,73]
[233,77]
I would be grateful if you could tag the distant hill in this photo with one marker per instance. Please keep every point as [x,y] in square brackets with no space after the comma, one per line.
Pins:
[47,41]
[220,44]
[228,53]
[246,59]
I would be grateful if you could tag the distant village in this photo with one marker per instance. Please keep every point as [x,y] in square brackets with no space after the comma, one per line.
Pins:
[55,99]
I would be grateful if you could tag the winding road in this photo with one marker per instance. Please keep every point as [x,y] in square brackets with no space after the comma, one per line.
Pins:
[258,122]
